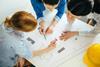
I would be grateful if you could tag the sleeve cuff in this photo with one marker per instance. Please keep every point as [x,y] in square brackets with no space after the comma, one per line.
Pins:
[39,19]
[57,18]
[83,33]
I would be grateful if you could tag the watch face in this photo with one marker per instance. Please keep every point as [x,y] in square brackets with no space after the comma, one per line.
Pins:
[91,22]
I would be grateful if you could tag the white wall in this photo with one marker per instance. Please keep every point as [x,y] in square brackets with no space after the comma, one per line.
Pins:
[9,7]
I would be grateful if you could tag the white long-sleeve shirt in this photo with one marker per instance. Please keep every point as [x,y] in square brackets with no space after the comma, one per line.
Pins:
[12,45]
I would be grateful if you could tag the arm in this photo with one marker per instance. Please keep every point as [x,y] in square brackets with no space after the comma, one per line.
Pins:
[38,8]
[42,51]
[45,50]
[67,35]
[61,9]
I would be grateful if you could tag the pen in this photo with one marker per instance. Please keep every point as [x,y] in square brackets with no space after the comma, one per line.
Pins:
[45,36]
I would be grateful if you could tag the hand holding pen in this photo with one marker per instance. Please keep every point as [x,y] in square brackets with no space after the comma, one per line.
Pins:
[42,26]
[41,30]
[52,44]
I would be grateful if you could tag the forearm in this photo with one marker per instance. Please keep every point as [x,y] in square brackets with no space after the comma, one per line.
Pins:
[86,33]
[73,33]
[42,51]
[53,23]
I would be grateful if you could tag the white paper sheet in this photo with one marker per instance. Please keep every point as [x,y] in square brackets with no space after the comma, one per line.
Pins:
[72,46]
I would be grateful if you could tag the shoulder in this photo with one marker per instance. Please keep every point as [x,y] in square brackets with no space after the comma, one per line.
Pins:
[62,2]
[36,1]
[65,1]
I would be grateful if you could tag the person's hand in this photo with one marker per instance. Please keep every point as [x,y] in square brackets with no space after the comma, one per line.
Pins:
[41,28]
[66,35]
[20,62]
[49,30]
[52,44]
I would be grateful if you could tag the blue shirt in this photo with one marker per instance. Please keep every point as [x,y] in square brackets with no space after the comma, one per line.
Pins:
[39,8]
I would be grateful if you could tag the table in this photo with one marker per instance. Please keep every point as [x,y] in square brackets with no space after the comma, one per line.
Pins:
[78,59]
[65,51]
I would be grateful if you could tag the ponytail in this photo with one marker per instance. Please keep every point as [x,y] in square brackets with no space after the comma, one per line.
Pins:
[7,22]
